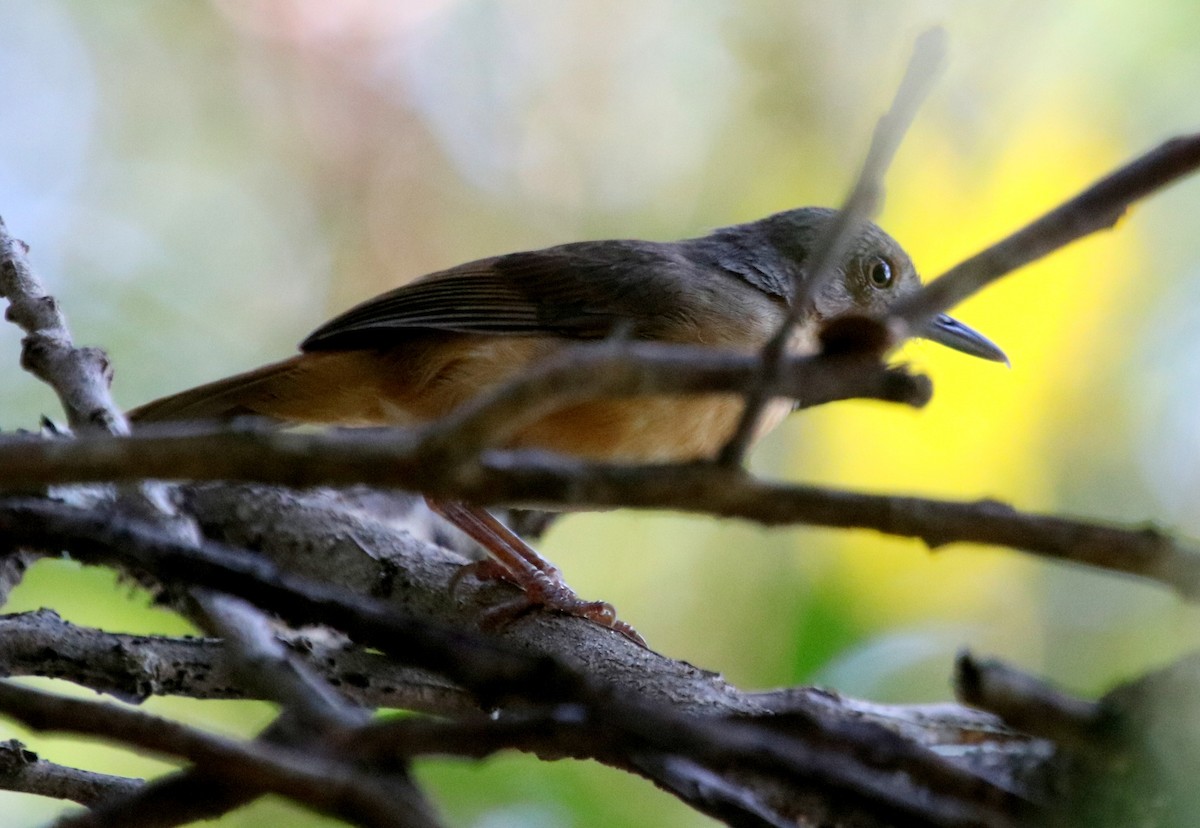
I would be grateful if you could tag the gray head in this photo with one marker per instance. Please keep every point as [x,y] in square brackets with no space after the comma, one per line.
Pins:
[875,273]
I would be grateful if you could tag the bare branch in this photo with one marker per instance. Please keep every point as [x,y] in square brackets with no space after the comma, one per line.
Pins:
[311,712]
[263,665]
[23,771]
[546,481]
[1026,702]
[485,666]
[1096,208]
[314,781]
[1144,552]
[1128,759]
[135,667]
[855,767]
[80,376]
[583,372]
[804,748]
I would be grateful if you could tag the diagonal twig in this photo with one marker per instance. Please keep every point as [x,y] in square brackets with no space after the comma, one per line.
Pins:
[926,61]
[1098,207]
[312,712]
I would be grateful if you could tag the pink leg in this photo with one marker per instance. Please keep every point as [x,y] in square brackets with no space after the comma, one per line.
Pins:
[515,561]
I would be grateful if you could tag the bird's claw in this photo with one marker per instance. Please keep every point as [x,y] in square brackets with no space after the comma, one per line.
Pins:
[542,589]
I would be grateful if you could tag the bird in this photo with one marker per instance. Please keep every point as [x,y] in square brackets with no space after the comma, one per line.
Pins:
[414,354]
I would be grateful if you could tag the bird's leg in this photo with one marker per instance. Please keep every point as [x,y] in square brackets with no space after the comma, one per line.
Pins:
[515,561]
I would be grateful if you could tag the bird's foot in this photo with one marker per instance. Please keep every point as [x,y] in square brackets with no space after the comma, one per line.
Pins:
[540,590]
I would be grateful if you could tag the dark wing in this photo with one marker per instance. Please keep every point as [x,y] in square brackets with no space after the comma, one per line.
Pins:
[584,291]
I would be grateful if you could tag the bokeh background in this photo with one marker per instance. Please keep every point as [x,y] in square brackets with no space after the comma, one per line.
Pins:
[203,183]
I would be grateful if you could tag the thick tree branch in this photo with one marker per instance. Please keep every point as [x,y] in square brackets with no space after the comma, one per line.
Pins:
[134,667]
[855,768]
[166,795]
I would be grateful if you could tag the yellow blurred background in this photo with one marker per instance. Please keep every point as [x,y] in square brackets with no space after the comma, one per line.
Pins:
[203,183]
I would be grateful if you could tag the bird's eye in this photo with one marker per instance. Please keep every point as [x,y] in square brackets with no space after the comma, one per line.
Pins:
[881,273]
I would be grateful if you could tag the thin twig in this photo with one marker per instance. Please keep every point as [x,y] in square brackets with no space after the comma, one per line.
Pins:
[1026,702]
[1143,551]
[265,667]
[1098,207]
[928,55]
[23,771]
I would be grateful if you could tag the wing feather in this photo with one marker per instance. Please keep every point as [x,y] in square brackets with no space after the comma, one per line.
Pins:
[583,290]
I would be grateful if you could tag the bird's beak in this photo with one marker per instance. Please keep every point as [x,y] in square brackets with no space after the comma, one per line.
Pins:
[950,332]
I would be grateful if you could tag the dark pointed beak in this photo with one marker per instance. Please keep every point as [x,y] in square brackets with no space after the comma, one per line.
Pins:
[948,331]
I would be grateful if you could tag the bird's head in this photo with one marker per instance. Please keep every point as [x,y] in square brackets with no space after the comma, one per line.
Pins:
[873,275]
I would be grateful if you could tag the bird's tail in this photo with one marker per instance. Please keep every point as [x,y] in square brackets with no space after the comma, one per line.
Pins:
[344,388]
[253,393]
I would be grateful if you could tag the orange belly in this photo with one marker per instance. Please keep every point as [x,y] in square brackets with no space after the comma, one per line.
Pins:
[645,429]
[425,380]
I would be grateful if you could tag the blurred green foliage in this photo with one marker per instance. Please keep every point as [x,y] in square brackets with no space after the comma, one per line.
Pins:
[202,183]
